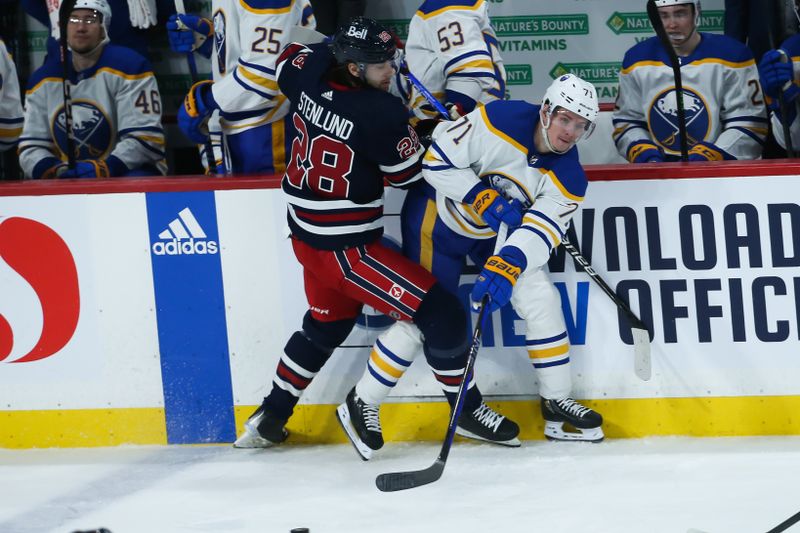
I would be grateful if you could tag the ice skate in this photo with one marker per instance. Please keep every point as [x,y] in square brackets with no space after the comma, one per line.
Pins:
[487,425]
[586,422]
[362,424]
[262,430]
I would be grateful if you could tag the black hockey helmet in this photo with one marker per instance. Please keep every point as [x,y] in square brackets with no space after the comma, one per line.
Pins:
[363,40]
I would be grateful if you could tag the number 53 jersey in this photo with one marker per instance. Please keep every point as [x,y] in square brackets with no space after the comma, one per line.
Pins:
[347,142]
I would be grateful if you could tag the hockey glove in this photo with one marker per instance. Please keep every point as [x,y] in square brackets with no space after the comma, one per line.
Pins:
[704,151]
[188,33]
[196,109]
[90,168]
[458,104]
[493,208]
[776,72]
[645,152]
[498,277]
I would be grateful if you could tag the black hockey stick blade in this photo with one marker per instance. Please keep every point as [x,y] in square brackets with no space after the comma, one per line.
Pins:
[395,481]
[786,524]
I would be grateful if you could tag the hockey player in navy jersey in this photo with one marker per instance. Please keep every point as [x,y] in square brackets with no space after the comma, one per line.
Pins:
[352,135]
[778,71]
[249,33]
[115,106]
[724,107]
[512,163]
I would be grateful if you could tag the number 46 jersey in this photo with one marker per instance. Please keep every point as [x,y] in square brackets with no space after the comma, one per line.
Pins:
[347,142]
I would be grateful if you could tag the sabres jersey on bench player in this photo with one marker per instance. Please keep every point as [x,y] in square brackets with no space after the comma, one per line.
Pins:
[116,114]
[721,94]
[452,49]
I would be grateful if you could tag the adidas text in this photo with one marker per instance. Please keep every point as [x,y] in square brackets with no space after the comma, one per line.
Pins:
[185,247]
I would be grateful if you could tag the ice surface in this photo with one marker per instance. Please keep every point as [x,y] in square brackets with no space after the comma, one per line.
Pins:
[653,485]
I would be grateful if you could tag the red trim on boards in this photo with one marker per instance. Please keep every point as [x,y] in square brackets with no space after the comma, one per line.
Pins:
[719,169]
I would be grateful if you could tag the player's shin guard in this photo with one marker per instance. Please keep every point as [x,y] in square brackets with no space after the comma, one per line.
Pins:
[359,415]
[443,323]
[393,352]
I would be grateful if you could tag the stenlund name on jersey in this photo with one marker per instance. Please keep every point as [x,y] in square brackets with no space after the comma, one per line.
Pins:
[324,118]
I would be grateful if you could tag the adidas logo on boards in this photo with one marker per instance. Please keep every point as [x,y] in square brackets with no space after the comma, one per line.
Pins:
[184,236]
[328,95]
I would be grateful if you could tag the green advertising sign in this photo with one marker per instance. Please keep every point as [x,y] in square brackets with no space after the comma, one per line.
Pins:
[397,26]
[592,72]
[519,75]
[538,25]
[37,40]
[637,22]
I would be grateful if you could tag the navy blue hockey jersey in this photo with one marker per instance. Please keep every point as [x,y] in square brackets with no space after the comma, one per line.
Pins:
[347,141]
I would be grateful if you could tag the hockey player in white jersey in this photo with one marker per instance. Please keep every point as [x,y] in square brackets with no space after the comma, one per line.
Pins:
[115,107]
[453,50]
[779,70]
[513,163]
[249,34]
[724,107]
[11,113]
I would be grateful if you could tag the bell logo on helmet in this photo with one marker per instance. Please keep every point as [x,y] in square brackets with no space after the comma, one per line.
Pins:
[352,31]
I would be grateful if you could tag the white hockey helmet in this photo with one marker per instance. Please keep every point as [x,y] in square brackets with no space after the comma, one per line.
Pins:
[695,3]
[573,94]
[100,6]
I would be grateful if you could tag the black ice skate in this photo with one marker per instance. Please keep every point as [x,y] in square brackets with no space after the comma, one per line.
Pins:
[262,430]
[586,422]
[362,424]
[487,425]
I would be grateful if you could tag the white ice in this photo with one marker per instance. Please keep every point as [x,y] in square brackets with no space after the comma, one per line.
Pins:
[653,485]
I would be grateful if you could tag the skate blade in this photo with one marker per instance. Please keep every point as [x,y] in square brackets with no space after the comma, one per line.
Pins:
[251,437]
[251,440]
[511,443]
[343,416]
[555,431]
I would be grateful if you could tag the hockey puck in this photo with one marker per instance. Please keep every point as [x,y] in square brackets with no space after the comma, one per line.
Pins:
[299,530]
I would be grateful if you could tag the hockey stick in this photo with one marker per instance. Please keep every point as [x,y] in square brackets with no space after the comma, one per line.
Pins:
[641,336]
[787,138]
[786,524]
[394,481]
[63,15]
[783,526]
[655,20]
[208,146]
[437,105]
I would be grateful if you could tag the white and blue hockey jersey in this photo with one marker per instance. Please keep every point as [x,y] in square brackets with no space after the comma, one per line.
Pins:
[11,114]
[116,115]
[494,145]
[248,38]
[452,49]
[792,47]
[721,95]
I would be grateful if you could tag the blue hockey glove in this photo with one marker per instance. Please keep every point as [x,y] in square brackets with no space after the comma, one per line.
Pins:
[181,30]
[704,151]
[90,168]
[498,277]
[776,72]
[196,109]
[644,152]
[494,209]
